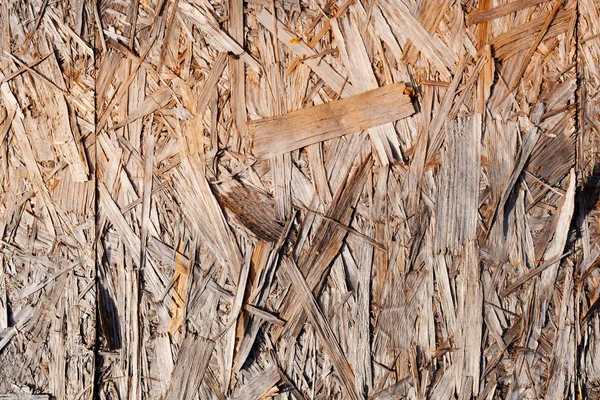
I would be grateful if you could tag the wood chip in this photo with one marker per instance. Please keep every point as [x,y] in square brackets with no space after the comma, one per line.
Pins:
[278,135]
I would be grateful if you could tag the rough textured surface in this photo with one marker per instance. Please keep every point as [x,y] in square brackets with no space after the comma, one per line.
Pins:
[208,199]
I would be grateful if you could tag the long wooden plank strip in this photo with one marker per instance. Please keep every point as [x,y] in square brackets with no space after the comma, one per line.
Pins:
[557,245]
[210,83]
[158,100]
[480,16]
[146,193]
[470,321]
[238,71]
[278,135]
[236,309]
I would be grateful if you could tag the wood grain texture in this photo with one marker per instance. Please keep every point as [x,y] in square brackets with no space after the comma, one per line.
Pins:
[510,7]
[299,199]
[278,135]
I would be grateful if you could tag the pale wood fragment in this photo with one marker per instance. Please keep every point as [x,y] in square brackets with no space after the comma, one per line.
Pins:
[191,365]
[481,15]
[278,135]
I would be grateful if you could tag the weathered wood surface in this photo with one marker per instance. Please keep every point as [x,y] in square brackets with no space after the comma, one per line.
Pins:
[48,292]
[311,125]
[299,199]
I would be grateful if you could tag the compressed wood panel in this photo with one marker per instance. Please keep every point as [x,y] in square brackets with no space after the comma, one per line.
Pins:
[299,199]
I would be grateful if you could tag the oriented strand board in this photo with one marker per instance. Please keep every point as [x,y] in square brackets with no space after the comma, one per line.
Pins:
[299,199]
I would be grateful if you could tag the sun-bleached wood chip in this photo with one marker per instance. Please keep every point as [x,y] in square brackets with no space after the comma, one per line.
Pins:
[526,59]
[563,362]
[236,308]
[336,81]
[357,62]
[258,385]
[469,328]
[525,151]
[321,326]
[158,100]
[129,237]
[429,14]
[147,193]
[220,39]
[430,46]
[20,319]
[518,39]
[252,208]
[458,197]
[362,354]
[191,365]
[400,309]
[557,245]
[180,284]
[315,262]
[238,71]
[479,16]
[278,135]
[210,83]
[204,213]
